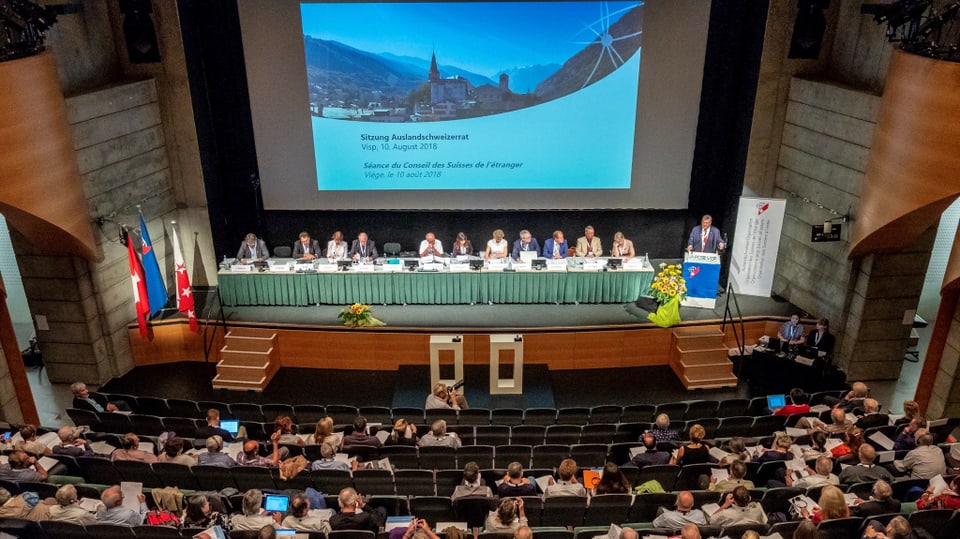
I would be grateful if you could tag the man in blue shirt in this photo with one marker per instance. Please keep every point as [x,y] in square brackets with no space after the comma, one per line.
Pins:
[526,243]
[113,511]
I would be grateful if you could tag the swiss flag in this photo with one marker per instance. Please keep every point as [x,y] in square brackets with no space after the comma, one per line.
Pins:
[141,304]
[184,292]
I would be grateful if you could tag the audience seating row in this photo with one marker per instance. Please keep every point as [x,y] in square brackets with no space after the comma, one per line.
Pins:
[310,413]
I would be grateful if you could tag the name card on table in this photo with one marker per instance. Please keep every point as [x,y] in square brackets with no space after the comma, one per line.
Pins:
[326,268]
[522,266]
[559,264]
[307,266]
[592,264]
[394,265]
[281,268]
[363,268]
[496,265]
[241,268]
[459,267]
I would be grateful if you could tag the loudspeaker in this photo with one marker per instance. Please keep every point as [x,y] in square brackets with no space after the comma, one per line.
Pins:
[808,29]
[139,32]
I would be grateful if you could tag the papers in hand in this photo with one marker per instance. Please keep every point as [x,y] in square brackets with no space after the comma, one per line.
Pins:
[850,498]
[131,495]
[382,435]
[882,440]
[939,484]
[831,443]
[102,448]
[718,453]
[720,474]
[89,504]
[795,432]
[612,533]
[343,457]
[47,462]
[634,451]
[710,508]
[543,482]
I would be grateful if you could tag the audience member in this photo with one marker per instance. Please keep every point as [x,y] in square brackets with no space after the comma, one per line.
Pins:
[612,481]
[853,400]
[420,529]
[865,470]
[738,508]
[250,456]
[284,425]
[881,502]
[214,455]
[212,428]
[19,507]
[911,409]
[650,456]
[690,531]
[113,511]
[799,404]
[515,484]
[831,504]
[199,514]
[359,435]
[328,461]
[443,398]
[471,484]
[71,444]
[806,530]
[695,452]
[438,436]
[839,423]
[821,475]
[779,451]
[852,440]
[267,532]
[403,434]
[324,433]
[626,533]
[737,449]
[898,528]
[925,461]
[21,467]
[508,517]
[356,515]
[661,429]
[173,453]
[253,517]
[68,509]
[907,440]
[683,514]
[29,443]
[948,499]
[872,416]
[568,484]
[83,399]
[130,450]
[738,470]
[818,446]
[525,532]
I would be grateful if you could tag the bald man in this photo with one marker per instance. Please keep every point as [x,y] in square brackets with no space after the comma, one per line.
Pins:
[684,513]
[113,512]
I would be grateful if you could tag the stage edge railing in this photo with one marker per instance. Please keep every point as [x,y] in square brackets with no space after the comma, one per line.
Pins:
[214,307]
[736,322]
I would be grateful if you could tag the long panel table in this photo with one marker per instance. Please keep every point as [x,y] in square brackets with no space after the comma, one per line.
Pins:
[429,288]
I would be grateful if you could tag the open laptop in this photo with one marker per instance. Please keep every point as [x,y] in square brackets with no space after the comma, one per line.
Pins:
[775,345]
[775,402]
[808,351]
[230,425]
[276,503]
[528,256]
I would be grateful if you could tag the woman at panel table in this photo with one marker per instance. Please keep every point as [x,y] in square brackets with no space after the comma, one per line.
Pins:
[336,247]
[821,338]
[462,246]
[622,247]
[497,247]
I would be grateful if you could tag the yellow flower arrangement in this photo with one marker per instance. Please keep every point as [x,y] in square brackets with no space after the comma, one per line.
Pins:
[358,315]
[669,283]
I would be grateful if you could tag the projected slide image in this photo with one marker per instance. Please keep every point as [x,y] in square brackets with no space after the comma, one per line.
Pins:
[473,95]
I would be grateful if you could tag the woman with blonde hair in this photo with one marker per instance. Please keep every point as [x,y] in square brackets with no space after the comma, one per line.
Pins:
[832,505]
[324,433]
[695,452]
[403,433]
[497,247]
[622,247]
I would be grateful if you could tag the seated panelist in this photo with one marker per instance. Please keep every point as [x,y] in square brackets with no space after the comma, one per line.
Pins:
[462,246]
[589,244]
[336,247]
[622,247]
[555,247]
[496,247]
[363,248]
[820,337]
[526,243]
[430,246]
[306,248]
[253,249]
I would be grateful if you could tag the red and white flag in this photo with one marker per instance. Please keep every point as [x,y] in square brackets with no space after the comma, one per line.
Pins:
[184,292]
[141,303]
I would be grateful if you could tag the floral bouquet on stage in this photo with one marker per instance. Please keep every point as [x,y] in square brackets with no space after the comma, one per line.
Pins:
[358,316]
[669,284]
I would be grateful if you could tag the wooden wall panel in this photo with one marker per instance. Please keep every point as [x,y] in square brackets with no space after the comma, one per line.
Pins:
[554,349]
[171,342]
[598,350]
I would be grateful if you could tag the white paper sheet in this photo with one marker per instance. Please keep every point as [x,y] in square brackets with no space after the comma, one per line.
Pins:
[131,492]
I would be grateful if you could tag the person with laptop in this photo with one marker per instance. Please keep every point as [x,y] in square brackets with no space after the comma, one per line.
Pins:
[799,403]
[254,516]
[525,244]
[216,427]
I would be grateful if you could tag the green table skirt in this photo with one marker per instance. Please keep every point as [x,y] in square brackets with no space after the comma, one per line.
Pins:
[275,289]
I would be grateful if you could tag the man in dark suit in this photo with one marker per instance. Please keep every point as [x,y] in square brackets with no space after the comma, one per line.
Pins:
[526,243]
[556,247]
[83,399]
[306,248]
[253,249]
[705,238]
[363,247]
[882,502]
[872,416]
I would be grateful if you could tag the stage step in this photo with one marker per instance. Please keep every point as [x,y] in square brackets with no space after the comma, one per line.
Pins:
[248,359]
[699,358]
